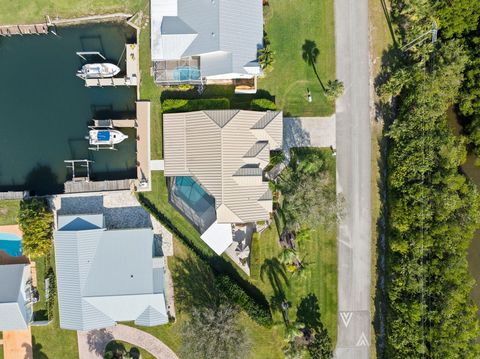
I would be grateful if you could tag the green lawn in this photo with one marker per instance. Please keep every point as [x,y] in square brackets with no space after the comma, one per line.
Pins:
[289,25]
[28,11]
[50,341]
[9,211]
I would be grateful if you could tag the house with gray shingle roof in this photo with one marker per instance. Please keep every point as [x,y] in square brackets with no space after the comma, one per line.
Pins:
[106,276]
[15,296]
[225,152]
[197,40]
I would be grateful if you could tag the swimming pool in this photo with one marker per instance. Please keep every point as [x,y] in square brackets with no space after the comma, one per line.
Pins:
[193,194]
[186,73]
[11,243]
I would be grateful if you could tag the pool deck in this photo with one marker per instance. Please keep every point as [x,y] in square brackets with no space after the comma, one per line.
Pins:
[12,229]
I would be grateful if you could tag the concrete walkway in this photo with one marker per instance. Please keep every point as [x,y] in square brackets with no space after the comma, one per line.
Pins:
[91,344]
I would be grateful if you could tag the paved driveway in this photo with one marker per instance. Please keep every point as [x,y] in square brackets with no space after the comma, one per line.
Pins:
[91,344]
[309,132]
[353,179]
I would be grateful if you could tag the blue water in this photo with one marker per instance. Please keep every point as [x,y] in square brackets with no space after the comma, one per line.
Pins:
[193,194]
[11,244]
[186,73]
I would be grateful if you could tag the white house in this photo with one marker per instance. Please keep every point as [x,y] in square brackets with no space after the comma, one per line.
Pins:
[197,40]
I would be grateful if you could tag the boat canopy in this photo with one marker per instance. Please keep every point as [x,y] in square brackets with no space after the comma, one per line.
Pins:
[103,136]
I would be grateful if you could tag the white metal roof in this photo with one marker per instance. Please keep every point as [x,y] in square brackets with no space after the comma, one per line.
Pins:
[218,237]
[182,28]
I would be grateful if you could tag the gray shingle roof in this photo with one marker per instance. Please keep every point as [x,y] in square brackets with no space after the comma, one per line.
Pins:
[104,276]
[15,306]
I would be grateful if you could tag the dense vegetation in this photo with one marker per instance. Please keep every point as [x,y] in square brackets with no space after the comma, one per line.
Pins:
[36,222]
[433,210]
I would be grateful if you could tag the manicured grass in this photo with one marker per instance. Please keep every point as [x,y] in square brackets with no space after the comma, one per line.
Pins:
[50,341]
[27,11]
[289,25]
[9,211]
[320,279]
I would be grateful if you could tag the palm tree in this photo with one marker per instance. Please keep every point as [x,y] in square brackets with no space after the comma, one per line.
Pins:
[266,57]
[288,256]
[334,89]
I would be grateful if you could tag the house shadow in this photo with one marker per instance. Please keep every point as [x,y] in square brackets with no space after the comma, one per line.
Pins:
[41,180]
[294,135]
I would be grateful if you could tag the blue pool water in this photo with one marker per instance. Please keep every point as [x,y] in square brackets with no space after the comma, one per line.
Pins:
[193,194]
[11,244]
[186,73]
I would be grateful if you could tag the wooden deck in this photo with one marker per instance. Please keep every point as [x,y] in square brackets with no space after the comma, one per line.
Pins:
[116,123]
[34,29]
[132,77]
[97,186]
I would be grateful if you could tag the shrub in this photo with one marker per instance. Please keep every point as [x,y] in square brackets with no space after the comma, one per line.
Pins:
[52,293]
[184,105]
[36,222]
[256,312]
[262,104]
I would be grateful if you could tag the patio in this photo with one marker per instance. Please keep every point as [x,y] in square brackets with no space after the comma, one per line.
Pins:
[174,72]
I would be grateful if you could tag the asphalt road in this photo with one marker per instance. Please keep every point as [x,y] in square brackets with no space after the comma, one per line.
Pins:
[353,180]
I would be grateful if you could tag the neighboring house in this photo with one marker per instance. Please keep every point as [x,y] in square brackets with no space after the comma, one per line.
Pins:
[15,296]
[197,40]
[105,276]
[225,152]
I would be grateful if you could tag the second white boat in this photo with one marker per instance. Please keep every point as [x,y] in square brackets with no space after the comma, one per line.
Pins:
[99,70]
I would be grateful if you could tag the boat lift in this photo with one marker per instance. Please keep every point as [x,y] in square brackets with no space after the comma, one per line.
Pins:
[82,163]
[104,124]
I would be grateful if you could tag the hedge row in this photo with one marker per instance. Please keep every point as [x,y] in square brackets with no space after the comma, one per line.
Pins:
[256,308]
[184,105]
[262,104]
[238,295]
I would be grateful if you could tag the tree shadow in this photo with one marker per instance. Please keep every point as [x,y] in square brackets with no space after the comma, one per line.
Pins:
[194,285]
[388,18]
[37,349]
[308,313]
[310,53]
[98,339]
[274,271]
[41,180]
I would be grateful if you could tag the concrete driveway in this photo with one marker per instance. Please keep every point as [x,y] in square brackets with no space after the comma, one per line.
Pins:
[353,180]
[309,132]
[91,344]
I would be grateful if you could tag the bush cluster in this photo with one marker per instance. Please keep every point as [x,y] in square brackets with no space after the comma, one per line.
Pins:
[185,105]
[262,104]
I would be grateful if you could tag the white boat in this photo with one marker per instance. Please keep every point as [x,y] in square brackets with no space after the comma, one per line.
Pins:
[105,137]
[98,70]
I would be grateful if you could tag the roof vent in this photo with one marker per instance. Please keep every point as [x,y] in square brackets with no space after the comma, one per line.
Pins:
[213,34]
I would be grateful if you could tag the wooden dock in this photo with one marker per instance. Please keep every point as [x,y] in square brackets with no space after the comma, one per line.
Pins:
[34,29]
[143,182]
[132,77]
[97,186]
[127,123]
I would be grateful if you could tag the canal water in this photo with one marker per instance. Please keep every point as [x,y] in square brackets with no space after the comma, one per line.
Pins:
[473,173]
[45,109]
